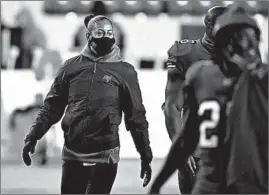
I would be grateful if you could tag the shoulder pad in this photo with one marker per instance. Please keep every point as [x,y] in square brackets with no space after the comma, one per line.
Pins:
[182,47]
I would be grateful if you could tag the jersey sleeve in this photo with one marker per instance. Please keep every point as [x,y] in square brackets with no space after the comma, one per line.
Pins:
[178,55]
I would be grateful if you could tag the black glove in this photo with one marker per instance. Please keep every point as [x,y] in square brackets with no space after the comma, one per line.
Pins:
[28,147]
[145,173]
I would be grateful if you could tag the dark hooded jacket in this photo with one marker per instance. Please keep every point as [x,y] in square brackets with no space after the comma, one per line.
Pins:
[96,91]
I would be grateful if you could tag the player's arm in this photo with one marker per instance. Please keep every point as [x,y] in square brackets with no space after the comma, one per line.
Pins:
[187,137]
[173,102]
[173,97]
[183,146]
[184,143]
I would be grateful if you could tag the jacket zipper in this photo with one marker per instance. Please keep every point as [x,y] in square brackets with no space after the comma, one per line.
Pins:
[92,79]
[94,71]
[89,95]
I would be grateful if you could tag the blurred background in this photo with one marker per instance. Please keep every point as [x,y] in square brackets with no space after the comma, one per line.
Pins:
[38,36]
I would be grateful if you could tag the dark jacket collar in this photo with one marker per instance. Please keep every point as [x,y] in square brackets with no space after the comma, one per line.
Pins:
[113,56]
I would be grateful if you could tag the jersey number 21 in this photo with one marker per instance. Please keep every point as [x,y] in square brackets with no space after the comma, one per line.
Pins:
[214,107]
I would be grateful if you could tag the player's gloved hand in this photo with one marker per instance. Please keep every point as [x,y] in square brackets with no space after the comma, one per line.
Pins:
[192,165]
[28,147]
[145,173]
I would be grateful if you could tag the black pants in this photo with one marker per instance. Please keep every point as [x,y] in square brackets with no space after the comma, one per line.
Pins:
[186,179]
[80,179]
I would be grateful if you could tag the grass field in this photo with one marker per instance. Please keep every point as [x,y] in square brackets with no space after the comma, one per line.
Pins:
[19,179]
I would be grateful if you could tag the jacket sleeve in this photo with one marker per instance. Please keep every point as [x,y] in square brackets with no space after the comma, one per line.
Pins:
[53,108]
[135,114]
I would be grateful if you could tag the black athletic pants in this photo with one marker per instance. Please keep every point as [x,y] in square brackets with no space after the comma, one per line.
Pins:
[80,179]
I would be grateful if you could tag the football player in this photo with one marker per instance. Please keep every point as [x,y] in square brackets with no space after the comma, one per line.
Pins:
[212,92]
[181,55]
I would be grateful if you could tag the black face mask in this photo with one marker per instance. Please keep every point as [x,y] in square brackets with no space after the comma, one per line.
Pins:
[102,46]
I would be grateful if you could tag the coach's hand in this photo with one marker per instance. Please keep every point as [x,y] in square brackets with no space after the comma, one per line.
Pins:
[28,147]
[145,173]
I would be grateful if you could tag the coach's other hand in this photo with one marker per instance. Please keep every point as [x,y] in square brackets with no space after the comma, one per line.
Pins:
[145,173]
[28,147]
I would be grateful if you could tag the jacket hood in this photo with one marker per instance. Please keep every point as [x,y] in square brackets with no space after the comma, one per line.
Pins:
[113,56]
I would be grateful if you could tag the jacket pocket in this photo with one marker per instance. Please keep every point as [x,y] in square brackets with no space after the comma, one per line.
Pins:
[114,121]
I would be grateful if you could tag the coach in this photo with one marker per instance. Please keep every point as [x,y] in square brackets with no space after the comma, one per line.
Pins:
[96,87]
